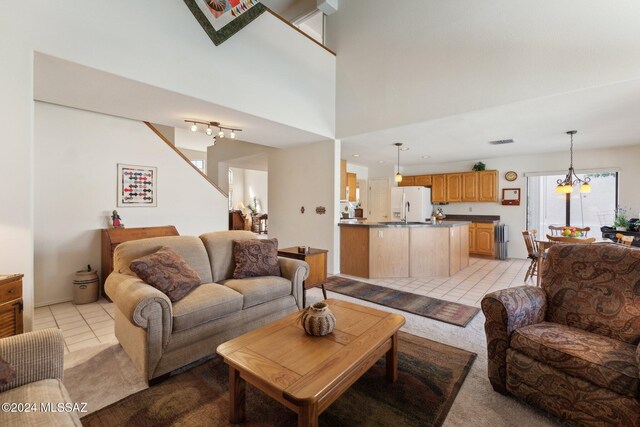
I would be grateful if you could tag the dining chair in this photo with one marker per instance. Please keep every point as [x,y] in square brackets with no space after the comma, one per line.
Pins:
[532,250]
[556,230]
[562,239]
[625,240]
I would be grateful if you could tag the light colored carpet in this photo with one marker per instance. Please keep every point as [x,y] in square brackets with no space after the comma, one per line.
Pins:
[103,375]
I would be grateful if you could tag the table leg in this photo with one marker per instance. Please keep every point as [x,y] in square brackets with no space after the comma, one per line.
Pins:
[324,291]
[392,359]
[304,296]
[308,416]
[237,388]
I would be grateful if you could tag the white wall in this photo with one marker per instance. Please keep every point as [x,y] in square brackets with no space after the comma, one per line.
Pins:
[306,176]
[138,47]
[238,187]
[256,183]
[624,159]
[76,157]
[411,61]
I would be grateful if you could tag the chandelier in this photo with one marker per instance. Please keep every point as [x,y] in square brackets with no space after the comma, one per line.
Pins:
[211,127]
[565,186]
[398,174]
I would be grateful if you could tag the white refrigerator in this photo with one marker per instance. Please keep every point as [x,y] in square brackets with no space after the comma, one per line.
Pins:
[415,201]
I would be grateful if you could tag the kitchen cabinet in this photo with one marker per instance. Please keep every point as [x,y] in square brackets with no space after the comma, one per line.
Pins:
[351,186]
[454,187]
[487,186]
[470,187]
[472,238]
[438,188]
[407,181]
[343,180]
[422,180]
[484,239]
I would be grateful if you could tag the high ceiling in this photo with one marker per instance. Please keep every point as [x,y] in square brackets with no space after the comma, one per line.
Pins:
[604,117]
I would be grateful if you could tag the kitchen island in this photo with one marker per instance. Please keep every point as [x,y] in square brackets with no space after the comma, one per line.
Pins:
[383,249]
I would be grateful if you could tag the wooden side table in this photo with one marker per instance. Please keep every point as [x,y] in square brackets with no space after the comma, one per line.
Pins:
[317,260]
[11,306]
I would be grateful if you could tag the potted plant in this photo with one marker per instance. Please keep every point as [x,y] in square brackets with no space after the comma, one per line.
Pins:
[479,167]
[621,222]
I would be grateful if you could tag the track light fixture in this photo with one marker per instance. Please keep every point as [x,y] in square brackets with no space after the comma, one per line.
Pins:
[209,130]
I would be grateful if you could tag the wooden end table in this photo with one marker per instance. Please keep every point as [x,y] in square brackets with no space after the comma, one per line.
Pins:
[304,373]
[317,260]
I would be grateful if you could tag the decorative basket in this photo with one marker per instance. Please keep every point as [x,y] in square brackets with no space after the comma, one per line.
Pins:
[318,320]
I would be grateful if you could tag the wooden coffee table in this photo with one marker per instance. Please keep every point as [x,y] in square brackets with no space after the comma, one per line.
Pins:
[304,373]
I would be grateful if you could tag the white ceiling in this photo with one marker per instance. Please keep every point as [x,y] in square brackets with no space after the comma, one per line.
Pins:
[606,116]
[66,83]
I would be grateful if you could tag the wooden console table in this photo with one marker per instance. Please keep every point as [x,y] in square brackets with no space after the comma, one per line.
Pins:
[112,237]
[11,306]
[317,260]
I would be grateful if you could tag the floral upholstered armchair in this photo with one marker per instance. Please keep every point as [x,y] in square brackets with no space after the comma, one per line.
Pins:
[572,347]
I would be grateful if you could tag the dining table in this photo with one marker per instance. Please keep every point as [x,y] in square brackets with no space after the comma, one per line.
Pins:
[544,244]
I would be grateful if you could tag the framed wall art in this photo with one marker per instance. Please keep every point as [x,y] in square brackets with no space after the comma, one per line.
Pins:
[511,196]
[137,185]
[221,19]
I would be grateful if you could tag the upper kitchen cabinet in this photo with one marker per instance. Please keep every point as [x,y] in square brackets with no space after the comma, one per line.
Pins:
[407,181]
[423,180]
[487,186]
[352,180]
[438,188]
[454,187]
[343,180]
[470,187]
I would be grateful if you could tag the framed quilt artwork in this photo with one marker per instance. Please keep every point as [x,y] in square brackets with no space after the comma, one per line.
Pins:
[221,19]
[137,185]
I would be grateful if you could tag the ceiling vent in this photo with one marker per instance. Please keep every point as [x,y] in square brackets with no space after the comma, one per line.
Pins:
[501,142]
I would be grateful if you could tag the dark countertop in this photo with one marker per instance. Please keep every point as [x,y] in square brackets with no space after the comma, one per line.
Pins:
[474,218]
[444,223]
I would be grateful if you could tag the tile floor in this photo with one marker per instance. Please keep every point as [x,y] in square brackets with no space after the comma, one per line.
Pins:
[89,325]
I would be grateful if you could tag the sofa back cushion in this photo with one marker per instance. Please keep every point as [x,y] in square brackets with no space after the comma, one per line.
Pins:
[219,247]
[188,247]
[594,287]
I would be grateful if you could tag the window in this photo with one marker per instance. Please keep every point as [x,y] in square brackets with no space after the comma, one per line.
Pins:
[546,207]
[199,164]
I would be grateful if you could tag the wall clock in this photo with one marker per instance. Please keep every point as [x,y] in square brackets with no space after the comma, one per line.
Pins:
[510,176]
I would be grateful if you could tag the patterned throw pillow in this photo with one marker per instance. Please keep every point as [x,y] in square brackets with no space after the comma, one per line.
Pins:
[168,272]
[255,257]
[7,374]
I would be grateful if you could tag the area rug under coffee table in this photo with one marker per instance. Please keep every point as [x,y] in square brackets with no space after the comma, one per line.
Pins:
[430,375]
[444,311]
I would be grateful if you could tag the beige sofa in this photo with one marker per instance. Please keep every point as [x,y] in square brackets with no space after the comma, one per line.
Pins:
[37,360]
[160,336]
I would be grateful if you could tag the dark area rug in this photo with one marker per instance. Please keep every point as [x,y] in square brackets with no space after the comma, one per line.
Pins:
[430,375]
[444,311]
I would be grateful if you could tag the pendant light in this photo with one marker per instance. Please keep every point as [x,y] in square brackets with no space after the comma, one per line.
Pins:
[398,174]
[565,186]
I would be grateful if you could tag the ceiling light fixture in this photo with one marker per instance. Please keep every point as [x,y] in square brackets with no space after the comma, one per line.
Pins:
[398,174]
[426,157]
[404,149]
[381,161]
[356,155]
[209,130]
[565,186]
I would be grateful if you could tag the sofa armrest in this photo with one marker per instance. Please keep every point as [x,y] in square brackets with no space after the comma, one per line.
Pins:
[296,271]
[138,301]
[505,311]
[638,362]
[34,356]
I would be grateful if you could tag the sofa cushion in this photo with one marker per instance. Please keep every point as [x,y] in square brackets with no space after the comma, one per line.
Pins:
[258,290]
[45,391]
[604,361]
[255,258]
[219,245]
[168,272]
[595,288]
[7,374]
[190,248]
[207,302]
